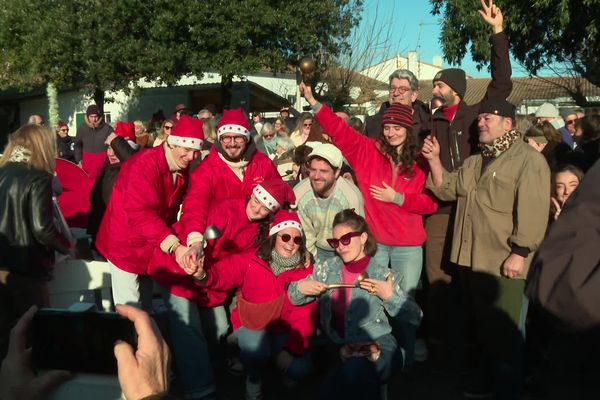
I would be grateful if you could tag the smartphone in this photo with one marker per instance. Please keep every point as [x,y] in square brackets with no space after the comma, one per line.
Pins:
[79,341]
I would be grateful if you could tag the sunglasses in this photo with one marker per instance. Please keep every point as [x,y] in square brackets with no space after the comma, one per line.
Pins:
[64,130]
[286,238]
[345,239]
[268,136]
[307,125]
[572,121]
[168,127]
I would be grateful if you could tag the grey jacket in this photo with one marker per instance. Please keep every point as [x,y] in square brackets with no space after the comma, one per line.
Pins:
[366,318]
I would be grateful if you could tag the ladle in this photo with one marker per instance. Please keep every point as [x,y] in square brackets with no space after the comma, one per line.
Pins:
[363,275]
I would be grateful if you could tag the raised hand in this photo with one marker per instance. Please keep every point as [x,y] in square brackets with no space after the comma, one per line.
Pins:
[492,15]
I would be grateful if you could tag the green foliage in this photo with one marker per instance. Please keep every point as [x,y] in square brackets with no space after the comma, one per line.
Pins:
[541,32]
[108,45]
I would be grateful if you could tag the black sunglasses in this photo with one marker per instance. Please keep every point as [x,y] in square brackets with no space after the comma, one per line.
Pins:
[345,239]
[286,238]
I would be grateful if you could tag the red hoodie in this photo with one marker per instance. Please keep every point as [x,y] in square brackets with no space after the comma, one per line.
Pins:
[390,223]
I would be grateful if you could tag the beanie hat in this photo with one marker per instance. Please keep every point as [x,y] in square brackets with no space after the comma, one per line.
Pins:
[235,122]
[455,78]
[127,131]
[329,152]
[398,114]
[285,219]
[565,112]
[187,133]
[273,193]
[547,110]
[180,107]
[498,107]
[62,125]
[93,109]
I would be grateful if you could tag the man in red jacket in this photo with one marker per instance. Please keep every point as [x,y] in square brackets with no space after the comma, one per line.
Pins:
[231,170]
[142,207]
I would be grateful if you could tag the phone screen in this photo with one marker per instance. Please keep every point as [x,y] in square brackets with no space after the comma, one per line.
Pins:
[79,341]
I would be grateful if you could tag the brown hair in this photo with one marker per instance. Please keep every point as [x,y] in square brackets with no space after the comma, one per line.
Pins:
[268,244]
[408,155]
[39,140]
[358,224]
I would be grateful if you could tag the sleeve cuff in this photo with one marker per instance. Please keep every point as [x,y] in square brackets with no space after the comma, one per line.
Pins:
[167,244]
[193,238]
[399,199]
[521,251]
[316,107]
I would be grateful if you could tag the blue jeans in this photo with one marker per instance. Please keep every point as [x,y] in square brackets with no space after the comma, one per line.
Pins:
[359,378]
[188,344]
[257,348]
[406,262]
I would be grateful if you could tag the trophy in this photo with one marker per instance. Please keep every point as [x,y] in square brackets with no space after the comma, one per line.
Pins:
[306,71]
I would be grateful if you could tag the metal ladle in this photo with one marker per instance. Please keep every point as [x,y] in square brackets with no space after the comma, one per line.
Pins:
[363,275]
[211,232]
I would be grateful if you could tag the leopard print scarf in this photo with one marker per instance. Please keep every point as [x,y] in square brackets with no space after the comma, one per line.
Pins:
[499,145]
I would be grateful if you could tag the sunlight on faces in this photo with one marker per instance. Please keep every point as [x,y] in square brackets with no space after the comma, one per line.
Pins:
[400,92]
[394,134]
[355,249]
[564,184]
[322,176]
[255,210]
[442,90]
[94,119]
[183,156]
[492,126]
[289,248]
[233,145]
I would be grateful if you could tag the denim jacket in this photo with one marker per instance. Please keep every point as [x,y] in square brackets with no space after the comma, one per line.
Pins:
[366,317]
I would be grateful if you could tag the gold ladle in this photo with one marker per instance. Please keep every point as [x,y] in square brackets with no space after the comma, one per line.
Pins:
[363,275]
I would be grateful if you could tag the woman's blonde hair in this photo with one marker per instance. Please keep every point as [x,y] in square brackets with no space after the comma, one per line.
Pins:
[39,140]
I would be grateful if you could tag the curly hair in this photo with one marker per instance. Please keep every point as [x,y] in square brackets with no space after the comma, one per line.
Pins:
[407,157]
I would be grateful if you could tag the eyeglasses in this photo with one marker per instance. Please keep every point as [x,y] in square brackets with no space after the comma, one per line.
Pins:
[345,239]
[571,121]
[64,129]
[236,139]
[401,89]
[268,136]
[286,238]
[168,127]
[307,125]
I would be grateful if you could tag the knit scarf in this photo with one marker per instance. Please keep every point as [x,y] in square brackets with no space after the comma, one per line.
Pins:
[499,145]
[270,145]
[238,167]
[20,154]
[281,264]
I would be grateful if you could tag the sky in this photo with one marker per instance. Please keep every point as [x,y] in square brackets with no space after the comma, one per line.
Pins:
[417,29]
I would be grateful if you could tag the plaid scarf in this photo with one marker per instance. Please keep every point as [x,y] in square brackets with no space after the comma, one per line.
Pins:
[281,264]
[499,145]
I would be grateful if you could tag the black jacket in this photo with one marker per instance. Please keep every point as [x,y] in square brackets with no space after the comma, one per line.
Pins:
[28,237]
[66,148]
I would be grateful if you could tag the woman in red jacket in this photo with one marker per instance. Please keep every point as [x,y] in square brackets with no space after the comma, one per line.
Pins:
[241,222]
[265,322]
[391,178]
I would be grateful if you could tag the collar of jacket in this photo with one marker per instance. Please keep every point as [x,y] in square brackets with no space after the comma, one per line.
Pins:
[439,114]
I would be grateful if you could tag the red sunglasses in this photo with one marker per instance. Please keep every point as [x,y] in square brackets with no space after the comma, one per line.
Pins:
[286,238]
[345,239]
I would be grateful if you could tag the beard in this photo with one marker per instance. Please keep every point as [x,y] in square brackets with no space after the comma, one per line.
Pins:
[324,189]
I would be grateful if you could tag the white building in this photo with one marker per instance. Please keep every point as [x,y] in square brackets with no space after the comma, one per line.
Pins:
[421,69]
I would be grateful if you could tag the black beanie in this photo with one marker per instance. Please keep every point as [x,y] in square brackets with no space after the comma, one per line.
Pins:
[455,78]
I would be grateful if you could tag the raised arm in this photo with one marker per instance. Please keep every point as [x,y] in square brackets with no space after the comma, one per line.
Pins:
[501,84]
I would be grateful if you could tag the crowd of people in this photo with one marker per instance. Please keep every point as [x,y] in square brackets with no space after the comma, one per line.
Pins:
[315,229]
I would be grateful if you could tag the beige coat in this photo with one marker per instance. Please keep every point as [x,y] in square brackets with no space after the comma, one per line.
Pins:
[506,204]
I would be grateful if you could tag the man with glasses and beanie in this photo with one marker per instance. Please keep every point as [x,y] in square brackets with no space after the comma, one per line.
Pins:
[502,213]
[454,125]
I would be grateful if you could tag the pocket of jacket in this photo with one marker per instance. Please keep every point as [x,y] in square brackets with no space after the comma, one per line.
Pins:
[501,193]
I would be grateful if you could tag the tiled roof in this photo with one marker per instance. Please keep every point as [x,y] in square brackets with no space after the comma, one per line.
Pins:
[528,88]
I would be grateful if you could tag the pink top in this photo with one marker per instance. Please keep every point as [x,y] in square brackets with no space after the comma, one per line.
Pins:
[340,298]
